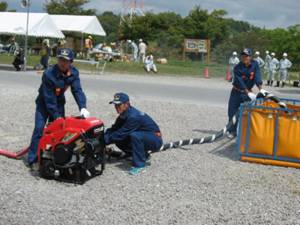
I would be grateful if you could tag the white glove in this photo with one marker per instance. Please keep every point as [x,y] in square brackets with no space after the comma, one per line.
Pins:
[84,113]
[264,92]
[282,104]
[252,96]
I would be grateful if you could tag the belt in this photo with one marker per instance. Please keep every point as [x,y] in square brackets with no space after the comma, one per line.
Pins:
[158,134]
[240,90]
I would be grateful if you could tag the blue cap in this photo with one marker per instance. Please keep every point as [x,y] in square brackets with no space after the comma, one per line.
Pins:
[247,51]
[120,98]
[66,53]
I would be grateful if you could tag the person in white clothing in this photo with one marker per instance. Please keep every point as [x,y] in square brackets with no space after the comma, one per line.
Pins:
[259,60]
[273,67]
[233,61]
[267,62]
[142,50]
[149,64]
[134,49]
[284,65]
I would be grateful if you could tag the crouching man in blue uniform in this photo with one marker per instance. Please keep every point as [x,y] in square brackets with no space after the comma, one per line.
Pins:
[246,75]
[134,132]
[51,99]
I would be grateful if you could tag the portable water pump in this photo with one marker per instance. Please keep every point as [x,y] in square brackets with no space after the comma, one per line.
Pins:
[71,148]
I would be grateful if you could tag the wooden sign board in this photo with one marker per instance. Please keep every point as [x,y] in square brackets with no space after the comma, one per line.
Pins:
[197,46]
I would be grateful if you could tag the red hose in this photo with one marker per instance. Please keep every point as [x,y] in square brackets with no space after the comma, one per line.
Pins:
[14,155]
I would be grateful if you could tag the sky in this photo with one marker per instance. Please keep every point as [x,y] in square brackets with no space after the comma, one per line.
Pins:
[263,13]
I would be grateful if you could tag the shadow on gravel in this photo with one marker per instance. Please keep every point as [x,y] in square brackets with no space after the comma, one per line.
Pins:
[205,131]
[33,172]
[123,164]
[226,149]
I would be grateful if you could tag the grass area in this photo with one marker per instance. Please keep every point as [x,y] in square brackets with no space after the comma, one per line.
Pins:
[179,68]
[173,68]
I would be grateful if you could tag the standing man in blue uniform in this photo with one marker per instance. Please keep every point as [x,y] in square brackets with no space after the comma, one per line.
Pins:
[51,99]
[246,75]
[134,132]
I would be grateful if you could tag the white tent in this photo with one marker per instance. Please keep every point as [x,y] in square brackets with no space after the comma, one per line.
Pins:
[82,24]
[40,25]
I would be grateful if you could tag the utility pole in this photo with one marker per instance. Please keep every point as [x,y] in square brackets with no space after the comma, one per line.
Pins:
[26,4]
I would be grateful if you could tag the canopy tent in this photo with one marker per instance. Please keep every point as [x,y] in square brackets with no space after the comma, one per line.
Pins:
[82,24]
[40,25]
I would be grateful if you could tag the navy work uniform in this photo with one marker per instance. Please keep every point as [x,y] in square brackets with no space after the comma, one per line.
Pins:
[51,100]
[134,132]
[244,79]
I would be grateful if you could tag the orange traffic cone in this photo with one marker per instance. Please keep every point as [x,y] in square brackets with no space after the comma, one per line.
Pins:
[228,75]
[206,74]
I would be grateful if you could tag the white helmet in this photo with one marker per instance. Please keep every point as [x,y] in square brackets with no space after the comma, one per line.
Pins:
[285,54]
[257,53]
[234,53]
[272,54]
[267,52]
[46,42]
[129,41]
[141,40]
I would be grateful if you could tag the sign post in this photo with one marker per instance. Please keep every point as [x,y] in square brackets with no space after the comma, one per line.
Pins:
[197,46]
[26,3]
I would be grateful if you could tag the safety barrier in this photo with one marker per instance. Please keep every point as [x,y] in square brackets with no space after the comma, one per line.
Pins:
[268,134]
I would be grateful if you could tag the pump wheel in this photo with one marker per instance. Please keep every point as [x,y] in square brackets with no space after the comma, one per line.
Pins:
[47,169]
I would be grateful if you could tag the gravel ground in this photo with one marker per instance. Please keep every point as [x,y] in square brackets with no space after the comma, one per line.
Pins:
[204,184]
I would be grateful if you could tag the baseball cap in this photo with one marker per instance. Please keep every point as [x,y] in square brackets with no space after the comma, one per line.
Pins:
[120,98]
[247,51]
[65,53]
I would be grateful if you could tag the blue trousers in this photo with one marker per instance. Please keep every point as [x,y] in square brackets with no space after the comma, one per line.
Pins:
[138,144]
[41,118]
[235,101]
[44,62]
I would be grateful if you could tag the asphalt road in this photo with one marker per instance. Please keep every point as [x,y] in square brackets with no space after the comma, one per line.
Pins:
[171,89]
[214,92]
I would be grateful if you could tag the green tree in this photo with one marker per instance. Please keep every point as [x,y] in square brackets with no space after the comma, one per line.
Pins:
[285,40]
[3,6]
[71,7]
[194,23]
[201,24]
[110,23]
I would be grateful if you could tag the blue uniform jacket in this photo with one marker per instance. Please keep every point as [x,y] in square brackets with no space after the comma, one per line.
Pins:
[247,77]
[131,120]
[54,84]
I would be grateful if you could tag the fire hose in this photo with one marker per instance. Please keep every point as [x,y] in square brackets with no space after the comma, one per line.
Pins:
[176,144]
[14,155]
[218,135]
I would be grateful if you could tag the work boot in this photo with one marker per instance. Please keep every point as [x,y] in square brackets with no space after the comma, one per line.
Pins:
[34,167]
[277,84]
[230,135]
[283,83]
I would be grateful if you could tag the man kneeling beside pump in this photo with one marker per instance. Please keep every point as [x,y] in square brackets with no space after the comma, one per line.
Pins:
[134,132]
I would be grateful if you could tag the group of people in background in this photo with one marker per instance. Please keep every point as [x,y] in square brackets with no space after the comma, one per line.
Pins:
[139,54]
[138,51]
[45,53]
[273,68]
